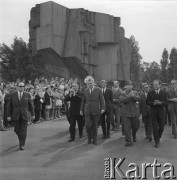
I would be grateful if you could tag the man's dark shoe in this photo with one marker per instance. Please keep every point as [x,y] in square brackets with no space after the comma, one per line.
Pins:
[70,140]
[95,142]
[175,137]
[134,139]
[81,136]
[108,136]
[150,139]
[157,145]
[128,144]
[104,137]
[89,141]
[22,148]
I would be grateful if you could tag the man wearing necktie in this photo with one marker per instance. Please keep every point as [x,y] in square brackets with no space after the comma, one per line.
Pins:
[157,99]
[93,105]
[145,112]
[107,115]
[17,111]
[172,106]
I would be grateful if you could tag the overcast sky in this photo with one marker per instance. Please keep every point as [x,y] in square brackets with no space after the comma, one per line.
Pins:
[153,23]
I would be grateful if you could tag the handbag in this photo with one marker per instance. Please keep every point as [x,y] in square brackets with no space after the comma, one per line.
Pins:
[58,102]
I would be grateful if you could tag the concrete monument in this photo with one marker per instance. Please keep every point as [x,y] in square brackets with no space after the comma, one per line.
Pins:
[78,42]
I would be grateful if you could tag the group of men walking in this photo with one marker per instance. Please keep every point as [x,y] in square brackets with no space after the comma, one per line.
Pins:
[95,105]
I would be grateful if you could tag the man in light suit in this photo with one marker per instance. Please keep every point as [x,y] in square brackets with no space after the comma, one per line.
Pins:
[107,115]
[93,104]
[172,106]
[18,107]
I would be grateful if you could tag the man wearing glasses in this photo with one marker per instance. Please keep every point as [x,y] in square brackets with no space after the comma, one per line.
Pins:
[18,107]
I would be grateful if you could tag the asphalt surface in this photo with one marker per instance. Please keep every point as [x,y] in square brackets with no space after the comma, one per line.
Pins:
[49,156]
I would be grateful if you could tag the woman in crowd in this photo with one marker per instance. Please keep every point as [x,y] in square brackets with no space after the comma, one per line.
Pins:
[47,103]
[38,100]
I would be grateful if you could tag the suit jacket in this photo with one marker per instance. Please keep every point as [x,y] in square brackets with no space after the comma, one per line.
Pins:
[129,105]
[172,106]
[144,108]
[152,96]
[75,103]
[17,107]
[37,103]
[116,96]
[108,97]
[47,99]
[93,103]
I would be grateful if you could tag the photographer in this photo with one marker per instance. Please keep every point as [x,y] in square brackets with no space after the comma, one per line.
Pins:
[75,98]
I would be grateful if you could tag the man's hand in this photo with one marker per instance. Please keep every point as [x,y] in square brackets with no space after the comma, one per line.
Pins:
[81,113]
[174,99]
[157,102]
[102,111]
[8,118]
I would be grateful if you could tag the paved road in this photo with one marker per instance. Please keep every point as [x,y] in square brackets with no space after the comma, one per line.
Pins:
[48,155]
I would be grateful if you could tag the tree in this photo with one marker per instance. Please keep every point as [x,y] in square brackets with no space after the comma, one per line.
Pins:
[151,71]
[16,61]
[172,70]
[164,65]
[135,62]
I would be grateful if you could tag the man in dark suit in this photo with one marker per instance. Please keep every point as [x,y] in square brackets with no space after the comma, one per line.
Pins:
[18,107]
[93,105]
[75,98]
[107,115]
[157,99]
[145,112]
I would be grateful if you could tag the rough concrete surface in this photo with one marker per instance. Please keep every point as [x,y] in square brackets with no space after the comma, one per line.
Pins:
[49,156]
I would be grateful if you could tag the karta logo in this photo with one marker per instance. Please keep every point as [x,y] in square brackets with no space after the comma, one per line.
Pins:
[113,169]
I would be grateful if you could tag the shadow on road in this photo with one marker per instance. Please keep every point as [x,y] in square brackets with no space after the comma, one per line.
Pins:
[56,136]
[9,151]
[68,151]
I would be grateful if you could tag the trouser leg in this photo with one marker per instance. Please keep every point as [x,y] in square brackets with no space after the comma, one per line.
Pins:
[88,123]
[103,124]
[94,126]
[127,127]
[134,126]
[117,118]
[108,120]
[72,126]
[80,124]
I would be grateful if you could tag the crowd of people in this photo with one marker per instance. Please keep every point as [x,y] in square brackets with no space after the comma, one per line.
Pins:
[47,98]
[90,105]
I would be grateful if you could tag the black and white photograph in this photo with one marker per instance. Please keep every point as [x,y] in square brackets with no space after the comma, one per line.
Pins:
[88,89]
